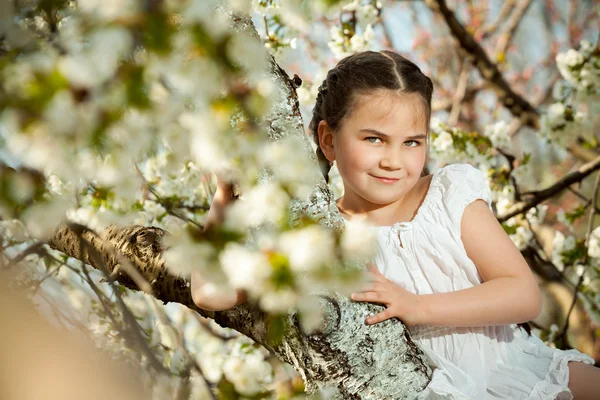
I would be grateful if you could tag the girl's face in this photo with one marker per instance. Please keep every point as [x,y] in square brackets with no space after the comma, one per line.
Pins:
[380,148]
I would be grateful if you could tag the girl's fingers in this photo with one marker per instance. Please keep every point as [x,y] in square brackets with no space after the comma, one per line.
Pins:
[382,316]
[373,268]
[373,287]
[372,297]
[379,279]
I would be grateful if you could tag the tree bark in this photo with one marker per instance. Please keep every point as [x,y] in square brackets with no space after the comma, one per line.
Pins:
[351,359]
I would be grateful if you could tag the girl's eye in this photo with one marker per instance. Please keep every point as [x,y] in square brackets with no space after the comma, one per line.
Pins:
[414,143]
[372,139]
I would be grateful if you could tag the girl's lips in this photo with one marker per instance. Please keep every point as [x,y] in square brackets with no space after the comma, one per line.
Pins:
[385,180]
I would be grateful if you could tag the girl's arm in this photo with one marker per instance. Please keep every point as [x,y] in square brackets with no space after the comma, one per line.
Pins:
[509,293]
[204,298]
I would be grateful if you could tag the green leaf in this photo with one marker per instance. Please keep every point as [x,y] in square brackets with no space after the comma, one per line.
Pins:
[135,86]
[575,214]
[510,229]
[281,275]
[158,32]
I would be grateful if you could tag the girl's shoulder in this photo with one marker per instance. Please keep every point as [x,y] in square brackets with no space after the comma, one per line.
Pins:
[461,175]
[460,185]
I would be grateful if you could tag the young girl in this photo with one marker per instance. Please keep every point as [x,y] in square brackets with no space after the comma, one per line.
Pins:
[444,265]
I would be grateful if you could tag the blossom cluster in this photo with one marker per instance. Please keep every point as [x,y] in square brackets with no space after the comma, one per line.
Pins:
[355,29]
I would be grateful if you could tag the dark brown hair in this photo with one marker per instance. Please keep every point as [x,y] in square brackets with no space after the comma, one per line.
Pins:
[363,73]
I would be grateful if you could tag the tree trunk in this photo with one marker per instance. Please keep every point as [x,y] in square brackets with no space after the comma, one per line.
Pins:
[354,360]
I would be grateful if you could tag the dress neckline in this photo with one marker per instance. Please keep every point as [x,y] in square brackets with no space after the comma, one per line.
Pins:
[403,225]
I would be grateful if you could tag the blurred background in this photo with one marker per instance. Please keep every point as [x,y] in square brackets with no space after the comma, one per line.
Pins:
[118,112]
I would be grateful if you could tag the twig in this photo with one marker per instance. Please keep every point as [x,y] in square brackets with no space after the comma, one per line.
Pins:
[38,285]
[588,236]
[459,93]
[127,315]
[191,360]
[204,323]
[540,196]
[492,28]
[34,248]
[538,326]
[517,105]
[446,104]
[511,28]
[171,209]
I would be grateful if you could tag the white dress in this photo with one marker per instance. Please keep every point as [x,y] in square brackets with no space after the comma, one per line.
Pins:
[491,362]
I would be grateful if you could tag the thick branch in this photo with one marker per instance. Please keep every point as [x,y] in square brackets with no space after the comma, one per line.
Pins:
[341,354]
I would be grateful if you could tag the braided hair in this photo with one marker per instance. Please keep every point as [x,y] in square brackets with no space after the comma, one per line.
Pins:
[362,73]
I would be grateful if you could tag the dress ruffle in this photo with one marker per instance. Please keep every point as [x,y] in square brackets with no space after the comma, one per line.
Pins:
[532,371]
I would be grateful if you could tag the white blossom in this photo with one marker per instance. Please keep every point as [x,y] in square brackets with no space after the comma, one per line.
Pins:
[505,198]
[278,301]
[567,61]
[154,209]
[308,248]
[289,160]
[556,115]
[206,147]
[13,229]
[185,255]
[536,215]
[109,9]
[594,244]
[245,269]
[561,217]
[358,240]
[443,142]
[498,134]
[248,374]
[42,219]
[265,203]
[522,237]
[561,244]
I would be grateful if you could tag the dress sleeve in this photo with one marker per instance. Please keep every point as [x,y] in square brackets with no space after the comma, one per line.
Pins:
[463,184]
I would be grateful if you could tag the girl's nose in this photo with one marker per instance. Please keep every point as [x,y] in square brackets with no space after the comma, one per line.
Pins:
[391,160]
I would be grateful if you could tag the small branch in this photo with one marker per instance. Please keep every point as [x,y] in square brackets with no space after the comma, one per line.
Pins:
[446,104]
[492,28]
[588,236]
[128,317]
[513,23]
[517,105]
[459,93]
[540,196]
[588,202]
[35,248]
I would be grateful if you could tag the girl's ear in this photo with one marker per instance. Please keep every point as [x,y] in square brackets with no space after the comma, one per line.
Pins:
[326,140]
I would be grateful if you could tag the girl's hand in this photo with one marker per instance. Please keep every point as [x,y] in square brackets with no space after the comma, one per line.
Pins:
[224,196]
[400,302]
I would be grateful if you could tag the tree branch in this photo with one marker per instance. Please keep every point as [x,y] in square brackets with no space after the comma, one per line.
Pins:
[540,196]
[513,23]
[490,29]
[517,105]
